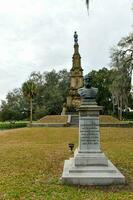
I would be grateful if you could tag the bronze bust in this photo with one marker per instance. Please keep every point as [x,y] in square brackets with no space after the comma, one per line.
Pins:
[88,92]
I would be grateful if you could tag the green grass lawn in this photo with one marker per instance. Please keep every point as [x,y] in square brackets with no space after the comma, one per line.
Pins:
[32,159]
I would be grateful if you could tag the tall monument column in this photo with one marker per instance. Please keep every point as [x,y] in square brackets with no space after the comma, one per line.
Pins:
[76,77]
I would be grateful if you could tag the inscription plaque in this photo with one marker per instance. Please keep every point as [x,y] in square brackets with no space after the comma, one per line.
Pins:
[89,133]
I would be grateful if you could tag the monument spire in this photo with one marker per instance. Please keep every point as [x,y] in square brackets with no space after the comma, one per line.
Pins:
[76,59]
[76,77]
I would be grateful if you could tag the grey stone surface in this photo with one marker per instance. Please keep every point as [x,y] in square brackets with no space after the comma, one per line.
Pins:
[91,175]
[90,159]
[89,133]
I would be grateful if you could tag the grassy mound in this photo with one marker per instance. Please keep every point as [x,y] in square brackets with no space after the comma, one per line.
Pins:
[63,119]
[54,119]
[31,163]
[109,119]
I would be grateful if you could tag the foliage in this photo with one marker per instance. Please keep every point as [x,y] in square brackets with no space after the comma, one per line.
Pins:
[15,107]
[130,101]
[125,49]
[49,90]
[122,63]
[12,125]
[54,92]
[32,159]
[29,89]
[101,79]
[128,115]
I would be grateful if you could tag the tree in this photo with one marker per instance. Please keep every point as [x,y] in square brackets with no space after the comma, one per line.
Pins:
[123,54]
[55,92]
[101,79]
[29,90]
[64,77]
[14,107]
[52,89]
[39,101]
[122,63]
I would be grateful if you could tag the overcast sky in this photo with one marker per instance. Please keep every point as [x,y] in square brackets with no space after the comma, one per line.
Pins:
[37,35]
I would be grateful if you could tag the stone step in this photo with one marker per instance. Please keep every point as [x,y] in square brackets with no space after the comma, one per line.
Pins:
[87,171]
[74,120]
[92,175]
[95,175]
[90,179]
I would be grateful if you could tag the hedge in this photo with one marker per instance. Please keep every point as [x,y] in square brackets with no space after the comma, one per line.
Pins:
[128,115]
[11,125]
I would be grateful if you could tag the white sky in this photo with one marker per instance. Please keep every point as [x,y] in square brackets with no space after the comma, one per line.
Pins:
[37,35]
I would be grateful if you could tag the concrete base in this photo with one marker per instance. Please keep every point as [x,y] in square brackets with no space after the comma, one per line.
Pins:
[90,158]
[91,175]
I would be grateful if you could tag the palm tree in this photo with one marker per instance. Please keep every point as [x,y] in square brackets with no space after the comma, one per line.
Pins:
[29,90]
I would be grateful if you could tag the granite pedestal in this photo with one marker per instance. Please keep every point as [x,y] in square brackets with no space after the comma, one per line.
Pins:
[90,166]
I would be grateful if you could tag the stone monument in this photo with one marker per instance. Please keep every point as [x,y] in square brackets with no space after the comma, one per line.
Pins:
[90,166]
[76,78]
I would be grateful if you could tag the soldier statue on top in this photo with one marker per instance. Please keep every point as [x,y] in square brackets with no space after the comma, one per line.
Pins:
[75,37]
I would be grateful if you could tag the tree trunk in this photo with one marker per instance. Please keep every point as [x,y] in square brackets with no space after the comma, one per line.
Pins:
[113,104]
[121,108]
[118,104]
[30,110]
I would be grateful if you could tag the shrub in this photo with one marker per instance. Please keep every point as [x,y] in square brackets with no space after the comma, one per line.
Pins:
[128,115]
[11,125]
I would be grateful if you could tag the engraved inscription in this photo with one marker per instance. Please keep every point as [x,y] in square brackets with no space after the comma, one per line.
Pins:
[89,133]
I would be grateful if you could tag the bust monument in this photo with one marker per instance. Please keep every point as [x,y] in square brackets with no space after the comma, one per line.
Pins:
[87,93]
[90,166]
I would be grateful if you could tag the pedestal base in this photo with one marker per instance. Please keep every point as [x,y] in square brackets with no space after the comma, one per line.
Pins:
[90,166]
[90,158]
[91,175]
